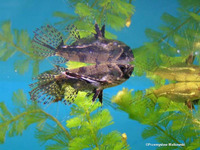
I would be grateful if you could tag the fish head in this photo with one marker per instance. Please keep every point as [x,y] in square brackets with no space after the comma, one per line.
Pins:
[127,55]
[119,51]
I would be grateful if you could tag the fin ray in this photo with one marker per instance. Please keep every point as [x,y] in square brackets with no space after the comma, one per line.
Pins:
[46,41]
[72,29]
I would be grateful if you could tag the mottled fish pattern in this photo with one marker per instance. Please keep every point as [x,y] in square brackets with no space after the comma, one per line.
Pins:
[110,59]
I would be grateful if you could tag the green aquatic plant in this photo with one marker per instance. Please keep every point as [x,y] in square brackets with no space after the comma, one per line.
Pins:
[87,121]
[74,64]
[82,130]
[166,120]
[17,42]
[113,13]
[86,124]
[175,43]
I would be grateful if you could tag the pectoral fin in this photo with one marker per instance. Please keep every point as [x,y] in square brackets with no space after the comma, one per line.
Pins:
[98,94]
[103,30]
[101,96]
[189,104]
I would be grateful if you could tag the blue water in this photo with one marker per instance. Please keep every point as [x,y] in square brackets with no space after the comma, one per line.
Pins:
[30,14]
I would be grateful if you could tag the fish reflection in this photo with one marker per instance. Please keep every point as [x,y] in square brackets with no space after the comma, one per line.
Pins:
[52,85]
[110,59]
[187,86]
[182,92]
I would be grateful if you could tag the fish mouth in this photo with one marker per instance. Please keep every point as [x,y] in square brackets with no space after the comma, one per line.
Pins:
[127,70]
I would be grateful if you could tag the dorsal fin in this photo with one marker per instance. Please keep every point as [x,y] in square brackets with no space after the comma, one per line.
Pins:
[103,30]
[99,33]
[73,33]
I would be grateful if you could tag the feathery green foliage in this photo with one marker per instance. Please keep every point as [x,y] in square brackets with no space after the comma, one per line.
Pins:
[83,129]
[167,120]
[14,123]
[86,124]
[175,43]
[113,13]
[16,42]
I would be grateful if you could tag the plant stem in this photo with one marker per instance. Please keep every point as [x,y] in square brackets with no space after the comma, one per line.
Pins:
[58,123]
[15,118]
[177,28]
[91,129]
[94,3]
[19,48]
[38,111]
[101,13]
[158,127]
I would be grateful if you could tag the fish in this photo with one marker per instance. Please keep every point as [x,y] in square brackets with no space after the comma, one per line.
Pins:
[180,92]
[110,65]
[51,85]
[48,41]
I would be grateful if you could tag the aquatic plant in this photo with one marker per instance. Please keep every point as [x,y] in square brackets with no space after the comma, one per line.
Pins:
[167,121]
[83,129]
[17,42]
[113,13]
[170,54]
[112,55]
[176,43]
[178,37]
[86,119]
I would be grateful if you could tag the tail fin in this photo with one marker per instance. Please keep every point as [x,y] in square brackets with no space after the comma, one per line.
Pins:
[46,41]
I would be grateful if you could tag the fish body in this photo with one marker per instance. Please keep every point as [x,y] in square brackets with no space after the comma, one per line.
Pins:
[110,59]
[111,75]
[48,42]
[89,79]
[98,51]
